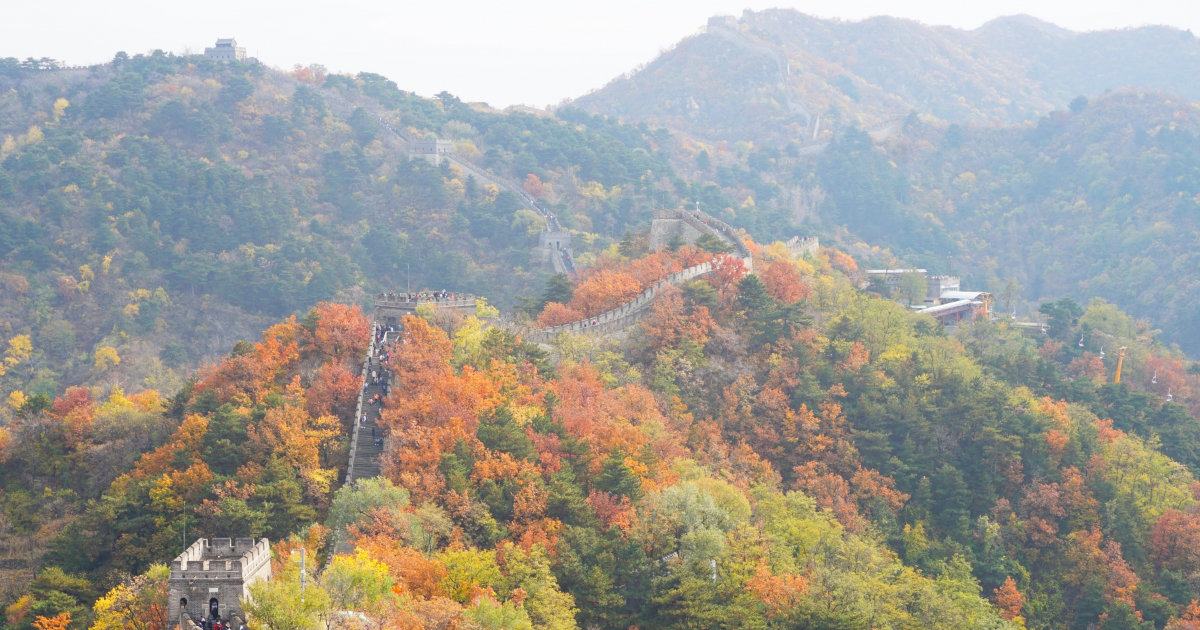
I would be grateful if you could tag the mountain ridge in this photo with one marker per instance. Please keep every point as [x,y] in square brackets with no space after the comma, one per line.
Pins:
[884,67]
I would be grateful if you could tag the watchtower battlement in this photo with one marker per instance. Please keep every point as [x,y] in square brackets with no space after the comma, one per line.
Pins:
[215,572]
[803,245]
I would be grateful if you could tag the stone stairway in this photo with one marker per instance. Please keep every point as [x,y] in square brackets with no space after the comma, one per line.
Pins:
[366,442]
[366,449]
[366,439]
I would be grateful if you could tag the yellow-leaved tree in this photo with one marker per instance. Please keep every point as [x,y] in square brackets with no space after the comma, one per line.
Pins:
[19,349]
[106,356]
[139,603]
[357,582]
[60,108]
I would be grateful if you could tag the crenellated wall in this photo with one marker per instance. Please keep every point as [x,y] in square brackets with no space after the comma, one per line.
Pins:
[220,568]
[803,246]
[689,225]
[391,307]
[622,317]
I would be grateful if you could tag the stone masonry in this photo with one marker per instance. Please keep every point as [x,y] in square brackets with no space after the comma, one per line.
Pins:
[215,571]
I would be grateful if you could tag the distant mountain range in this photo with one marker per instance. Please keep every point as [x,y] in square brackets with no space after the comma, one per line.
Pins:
[772,74]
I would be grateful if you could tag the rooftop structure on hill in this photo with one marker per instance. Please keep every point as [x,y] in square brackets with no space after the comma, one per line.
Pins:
[956,311]
[891,277]
[944,298]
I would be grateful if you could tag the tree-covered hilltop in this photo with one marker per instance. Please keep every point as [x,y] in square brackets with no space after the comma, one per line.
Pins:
[784,449]
[156,209]
[781,450]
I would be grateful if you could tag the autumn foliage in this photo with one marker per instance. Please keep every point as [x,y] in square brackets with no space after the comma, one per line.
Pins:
[777,449]
[784,282]
[1008,599]
[340,332]
[611,284]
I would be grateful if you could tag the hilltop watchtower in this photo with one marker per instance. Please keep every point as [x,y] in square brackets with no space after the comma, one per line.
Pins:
[226,50]
[390,308]
[214,575]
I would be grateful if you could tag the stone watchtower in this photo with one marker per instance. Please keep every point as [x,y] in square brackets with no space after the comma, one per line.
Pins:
[226,50]
[215,574]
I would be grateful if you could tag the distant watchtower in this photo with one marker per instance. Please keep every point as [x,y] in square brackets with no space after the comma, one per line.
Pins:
[226,50]
[432,149]
[213,575]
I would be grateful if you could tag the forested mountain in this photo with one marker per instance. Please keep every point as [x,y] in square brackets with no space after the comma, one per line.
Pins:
[776,451]
[156,209]
[771,450]
[770,74]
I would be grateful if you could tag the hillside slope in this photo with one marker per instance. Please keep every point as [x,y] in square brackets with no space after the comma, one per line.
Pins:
[156,209]
[1098,202]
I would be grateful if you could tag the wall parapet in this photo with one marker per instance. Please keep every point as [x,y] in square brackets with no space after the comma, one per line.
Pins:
[803,245]
[707,223]
[623,316]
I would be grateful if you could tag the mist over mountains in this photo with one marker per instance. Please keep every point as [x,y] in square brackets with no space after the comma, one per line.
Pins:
[758,76]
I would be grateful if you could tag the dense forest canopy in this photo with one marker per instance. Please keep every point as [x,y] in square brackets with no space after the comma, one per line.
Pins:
[793,447]
[771,450]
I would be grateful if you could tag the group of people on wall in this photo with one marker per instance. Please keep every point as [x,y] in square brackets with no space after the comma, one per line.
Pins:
[421,296]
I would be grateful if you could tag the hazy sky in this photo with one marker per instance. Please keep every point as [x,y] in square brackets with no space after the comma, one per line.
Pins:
[504,52]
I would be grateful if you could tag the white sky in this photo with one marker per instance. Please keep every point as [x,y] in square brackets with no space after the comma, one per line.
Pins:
[504,52]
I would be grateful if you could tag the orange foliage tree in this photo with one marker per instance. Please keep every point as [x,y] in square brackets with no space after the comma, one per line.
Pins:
[783,282]
[1009,601]
[603,291]
[1175,542]
[533,185]
[1188,620]
[416,574]
[75,409]
[252,372]
[60,621]
[555,314]
[653,267]
[669,321]
[779,593]
[334,390]
[842,262]
[340,331]
[727,270]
